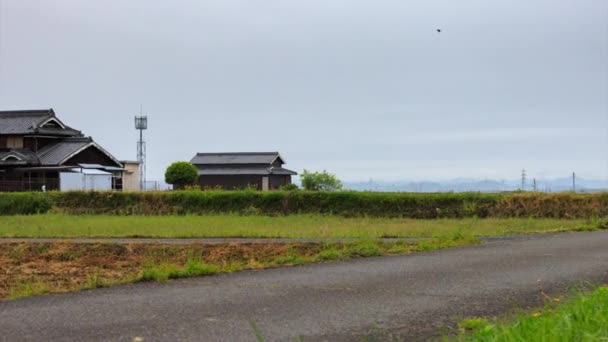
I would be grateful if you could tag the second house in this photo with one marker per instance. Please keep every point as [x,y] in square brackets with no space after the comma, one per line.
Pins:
[240,170]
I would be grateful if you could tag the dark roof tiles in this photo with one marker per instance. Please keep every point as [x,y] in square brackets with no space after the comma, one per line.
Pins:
[236,158]
[212,171]
[240,163]
[18,157]
[56,154]
[30,122]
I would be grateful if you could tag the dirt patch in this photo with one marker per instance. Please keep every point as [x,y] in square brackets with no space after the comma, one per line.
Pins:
[65,266]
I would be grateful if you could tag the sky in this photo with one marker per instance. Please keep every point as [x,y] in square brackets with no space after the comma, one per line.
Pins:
[363,89]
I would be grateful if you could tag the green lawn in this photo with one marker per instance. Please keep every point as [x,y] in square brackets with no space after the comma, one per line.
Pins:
[584,318]
[295,226]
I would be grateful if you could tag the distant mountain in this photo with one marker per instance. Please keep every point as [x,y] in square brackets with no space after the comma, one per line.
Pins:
[481,185]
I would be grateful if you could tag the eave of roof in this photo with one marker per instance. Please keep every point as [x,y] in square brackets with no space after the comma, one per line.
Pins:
[236,158]
[253,171]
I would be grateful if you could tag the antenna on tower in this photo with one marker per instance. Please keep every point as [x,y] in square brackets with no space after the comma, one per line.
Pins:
[523,179]
[141,124]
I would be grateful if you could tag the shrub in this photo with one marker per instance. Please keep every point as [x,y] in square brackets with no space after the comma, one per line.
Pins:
[290,187]
[181,174]
[317,181]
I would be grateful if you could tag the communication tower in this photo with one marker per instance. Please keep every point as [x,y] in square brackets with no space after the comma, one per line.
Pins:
[141,124]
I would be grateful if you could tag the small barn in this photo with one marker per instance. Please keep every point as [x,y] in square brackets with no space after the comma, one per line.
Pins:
[239,170]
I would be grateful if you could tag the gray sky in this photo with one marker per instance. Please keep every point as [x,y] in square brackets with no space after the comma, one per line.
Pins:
[360,88]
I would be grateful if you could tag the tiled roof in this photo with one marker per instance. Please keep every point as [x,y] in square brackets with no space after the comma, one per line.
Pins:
[56,154]
[282,171]
[30,122]
[214,171]
[18,157]
[236,158]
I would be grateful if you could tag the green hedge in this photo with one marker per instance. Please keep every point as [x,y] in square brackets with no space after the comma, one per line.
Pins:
[412,205]
[24,203]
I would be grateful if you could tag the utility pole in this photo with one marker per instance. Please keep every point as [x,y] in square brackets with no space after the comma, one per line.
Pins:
[534,184]
[523,179]
[573,182]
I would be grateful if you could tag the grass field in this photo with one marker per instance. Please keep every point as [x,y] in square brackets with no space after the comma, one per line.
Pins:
[294,226]
[583,318]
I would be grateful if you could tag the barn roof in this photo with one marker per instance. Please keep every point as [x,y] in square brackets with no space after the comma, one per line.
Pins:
[236,158]
[212,171]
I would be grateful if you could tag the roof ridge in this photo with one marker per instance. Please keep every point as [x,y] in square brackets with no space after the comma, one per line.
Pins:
[234,153]
[27,111]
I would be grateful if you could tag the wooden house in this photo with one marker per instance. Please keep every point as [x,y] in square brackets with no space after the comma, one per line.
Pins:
[239,170]
[36,147]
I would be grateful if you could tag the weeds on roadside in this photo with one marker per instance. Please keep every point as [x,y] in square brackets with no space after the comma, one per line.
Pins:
[583,318]
[27,289]
[95,281]
[161,263]
[165,271]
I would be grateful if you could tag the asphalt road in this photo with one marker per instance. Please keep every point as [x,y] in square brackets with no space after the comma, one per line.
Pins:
[401,297]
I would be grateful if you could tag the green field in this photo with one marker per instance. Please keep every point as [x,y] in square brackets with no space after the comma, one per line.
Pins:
[294,226]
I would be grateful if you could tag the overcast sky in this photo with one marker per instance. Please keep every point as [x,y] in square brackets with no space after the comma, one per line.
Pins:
[364,89]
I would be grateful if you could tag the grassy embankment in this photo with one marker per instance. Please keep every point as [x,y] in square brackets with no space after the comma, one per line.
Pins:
[28,268]
[293,226]
[451,219]
[582,318]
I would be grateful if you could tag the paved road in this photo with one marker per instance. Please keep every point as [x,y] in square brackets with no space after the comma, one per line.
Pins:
[409,297]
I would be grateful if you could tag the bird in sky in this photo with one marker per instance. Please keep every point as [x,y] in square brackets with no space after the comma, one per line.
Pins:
[438,30]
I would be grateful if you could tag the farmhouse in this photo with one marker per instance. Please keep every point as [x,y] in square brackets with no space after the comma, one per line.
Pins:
[39,152]
[260,170]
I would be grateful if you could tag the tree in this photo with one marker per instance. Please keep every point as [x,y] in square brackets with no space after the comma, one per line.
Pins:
[181,174]
[320,181]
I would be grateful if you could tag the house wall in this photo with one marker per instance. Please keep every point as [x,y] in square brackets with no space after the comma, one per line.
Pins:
[276,181]
[11,141]
[130,177]
[230,182]
[36,143]
[234,182]
[70,181]
[28,181]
